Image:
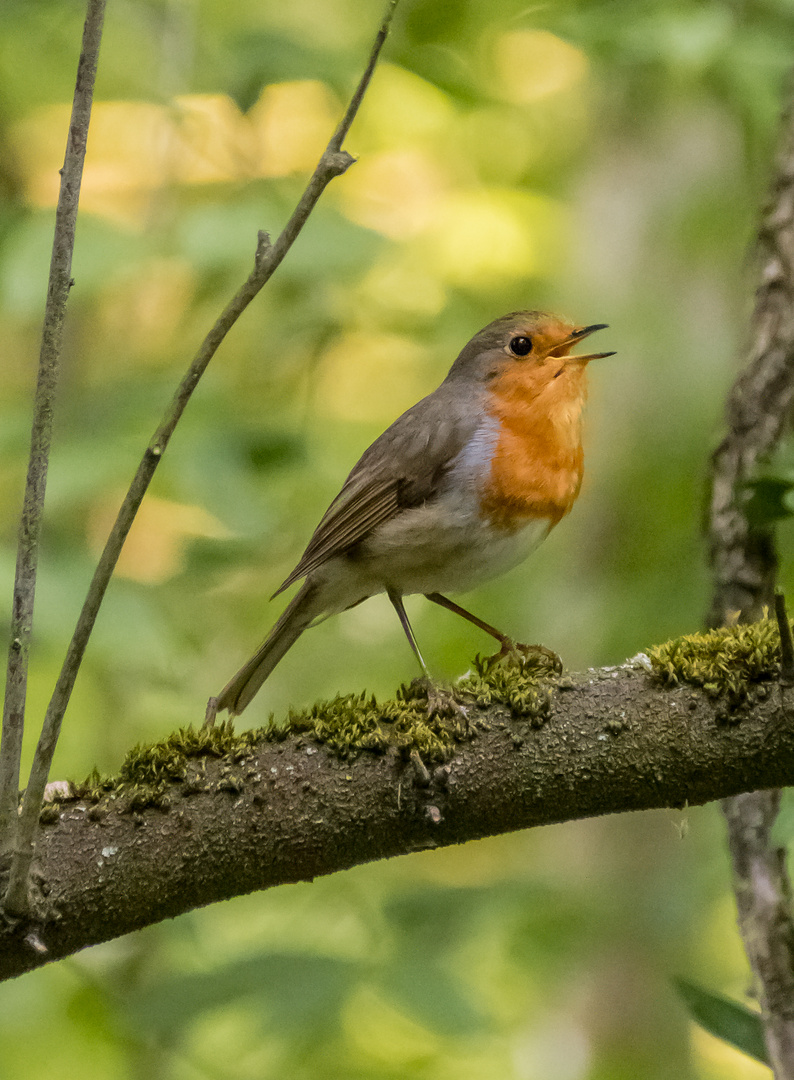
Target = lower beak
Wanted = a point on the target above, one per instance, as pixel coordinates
(580, 335)
(590, 356)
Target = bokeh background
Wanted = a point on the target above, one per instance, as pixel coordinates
(601, 159)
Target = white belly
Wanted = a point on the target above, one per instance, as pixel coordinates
(442, 546)
(435, 549)
(428, 550)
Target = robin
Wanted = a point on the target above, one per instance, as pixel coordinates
(458, 490)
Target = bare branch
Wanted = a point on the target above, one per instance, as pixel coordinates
(340, 134)
(744, 564)
(763, 899)
(333, 162)
(742, 555)
(267, 813)
(41, 436)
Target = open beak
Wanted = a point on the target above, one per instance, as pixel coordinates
(580, 335)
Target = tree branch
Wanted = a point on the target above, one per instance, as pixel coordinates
(283, 811)
(333, 162)
(743, 556)
(59, 284)
(744, 564)
(763, 900)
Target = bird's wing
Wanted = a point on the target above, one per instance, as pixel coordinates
(401, 469)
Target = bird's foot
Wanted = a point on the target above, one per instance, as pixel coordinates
(442, 703)
(536, 655)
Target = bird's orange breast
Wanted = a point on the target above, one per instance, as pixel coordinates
(537, 463)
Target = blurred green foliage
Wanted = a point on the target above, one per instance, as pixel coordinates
(602, 159)
(738, 1025)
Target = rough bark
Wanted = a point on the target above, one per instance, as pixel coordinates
(744, 565)
(743, 557)
(763, 900)
(614, 740)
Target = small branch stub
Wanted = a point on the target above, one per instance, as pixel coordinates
(338, 161)
(34, 942)
(263, 248)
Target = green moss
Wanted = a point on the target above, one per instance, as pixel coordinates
(49, 813)
(166, 761)
(724, 662)
(94, 787)
(147, 772)
(352, 723)
(519, 680)
(349, 724)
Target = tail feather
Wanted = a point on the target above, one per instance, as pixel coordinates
(243, 686)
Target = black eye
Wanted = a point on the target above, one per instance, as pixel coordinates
(520, 346)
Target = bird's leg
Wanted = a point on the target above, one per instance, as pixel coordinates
(402, 615)
(439, 700)
(507, 644)
(211, 712)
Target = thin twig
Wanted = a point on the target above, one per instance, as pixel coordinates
(41, 435)
(333, 162)
(786, 640)
(744, 564)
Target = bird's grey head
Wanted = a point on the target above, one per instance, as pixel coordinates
(534, 338)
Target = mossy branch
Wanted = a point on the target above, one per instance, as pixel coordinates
(209, 813)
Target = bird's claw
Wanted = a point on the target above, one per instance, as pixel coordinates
(441, 702)
(537, 654)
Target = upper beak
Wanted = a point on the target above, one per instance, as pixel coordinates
(580, 335)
